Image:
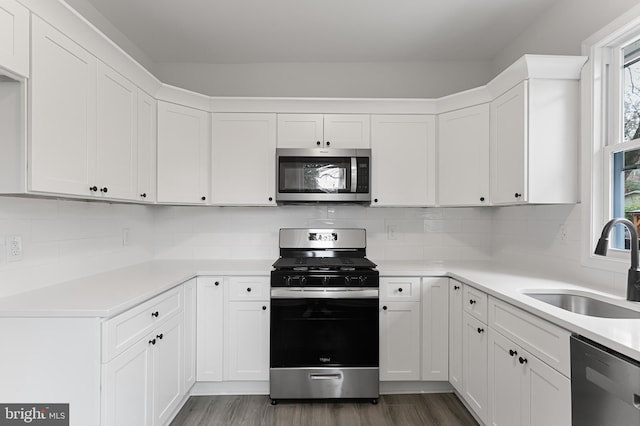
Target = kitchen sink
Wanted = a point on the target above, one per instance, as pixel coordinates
(585, 305)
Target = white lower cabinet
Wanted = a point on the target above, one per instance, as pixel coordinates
(209, 329)
(524, 390)
(435, 328)
(246, 328)
(474, 365)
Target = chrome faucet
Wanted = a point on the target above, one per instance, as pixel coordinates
(633, 277)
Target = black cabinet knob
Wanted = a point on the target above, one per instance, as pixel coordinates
(522, 360)
(143, 195)
(400, 290)
(248, 289)
(472, 302)
(318, 143)
(375, 200)
(270, 198)
(328, 143)
(384, 308)
(456, 287)
(481, 198)
(480, 330)
(512, 352)
(155, 314)
(105, 189)
(93, 188)
(160, 336)
(264, 308)
(152, 341)
(518, 195)
(216, 283)
(203, 198)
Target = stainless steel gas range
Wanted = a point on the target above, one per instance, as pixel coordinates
(324, 316)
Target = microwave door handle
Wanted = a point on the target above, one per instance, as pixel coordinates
(354, 174)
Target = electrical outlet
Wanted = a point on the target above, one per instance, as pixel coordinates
(13, 244)
(392, 232)
(125, 236)
(563, 233)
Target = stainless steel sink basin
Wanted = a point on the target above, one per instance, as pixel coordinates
(585, 305)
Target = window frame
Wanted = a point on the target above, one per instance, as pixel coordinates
(601, 93)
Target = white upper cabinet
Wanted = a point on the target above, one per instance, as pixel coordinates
(463, 157)
(14, 37)
(534, 143)
(147, 139)
(344, 131)
(403, 156)
(243, 159)
(183, 154)
(62, 150)
(117, 135)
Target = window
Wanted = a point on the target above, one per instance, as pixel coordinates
(611, 128)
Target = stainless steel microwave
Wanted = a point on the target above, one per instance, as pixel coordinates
(323, 175)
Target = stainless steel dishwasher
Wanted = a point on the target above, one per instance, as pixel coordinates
(605, 386)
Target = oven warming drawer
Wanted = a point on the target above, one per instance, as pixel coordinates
(324, 382)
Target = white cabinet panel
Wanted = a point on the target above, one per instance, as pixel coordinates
(463, 157)
(167, 369)
(505, 375)
(147, 144)
(243, 163)
(210, 330)
(474, 365)
(300, 130)
(62, 150)
(399, 340)
(189, 347)
(14, 37)
(246, 341)
(116, 172)
(435, 328)
(183, 154)
(347, 131)
(403, 156)
(455, 334)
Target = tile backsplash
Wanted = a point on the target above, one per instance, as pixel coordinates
(65, 239)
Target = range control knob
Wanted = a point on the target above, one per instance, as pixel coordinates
(347, 280)
(362, 279)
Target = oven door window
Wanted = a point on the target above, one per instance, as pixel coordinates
(314, 175)
(324, 333)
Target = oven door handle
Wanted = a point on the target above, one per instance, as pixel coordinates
(324, 293)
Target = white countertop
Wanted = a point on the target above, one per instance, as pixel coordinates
(108, 294)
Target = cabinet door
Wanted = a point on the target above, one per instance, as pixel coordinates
(147, 142)
(455, 334)
(14, 37)
(546, 394)
(167, 369)
(347, 131)
(509, 146)
(505, 378)
(463, 157)
(243, 164)
(403, 160)
(399, 340)
(116, 172)
(474, 365)
(63, 113)
(126, 387)
(435, 328)
(183, 154)
(300, 130)
(209, 330)
(246, 341)
(189, 347)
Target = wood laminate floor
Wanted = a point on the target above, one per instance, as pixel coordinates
(405, 410)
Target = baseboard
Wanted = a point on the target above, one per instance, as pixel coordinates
(389, 388)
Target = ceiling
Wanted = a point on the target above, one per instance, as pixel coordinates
(255, 31)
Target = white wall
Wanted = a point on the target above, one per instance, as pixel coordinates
(63, 240)
(344, 80)
(238, 233)
(562, 29)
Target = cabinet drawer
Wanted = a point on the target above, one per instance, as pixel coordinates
(124, 330)
(400, 288)
(247, 288)
(544, 340)
(475, 303)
